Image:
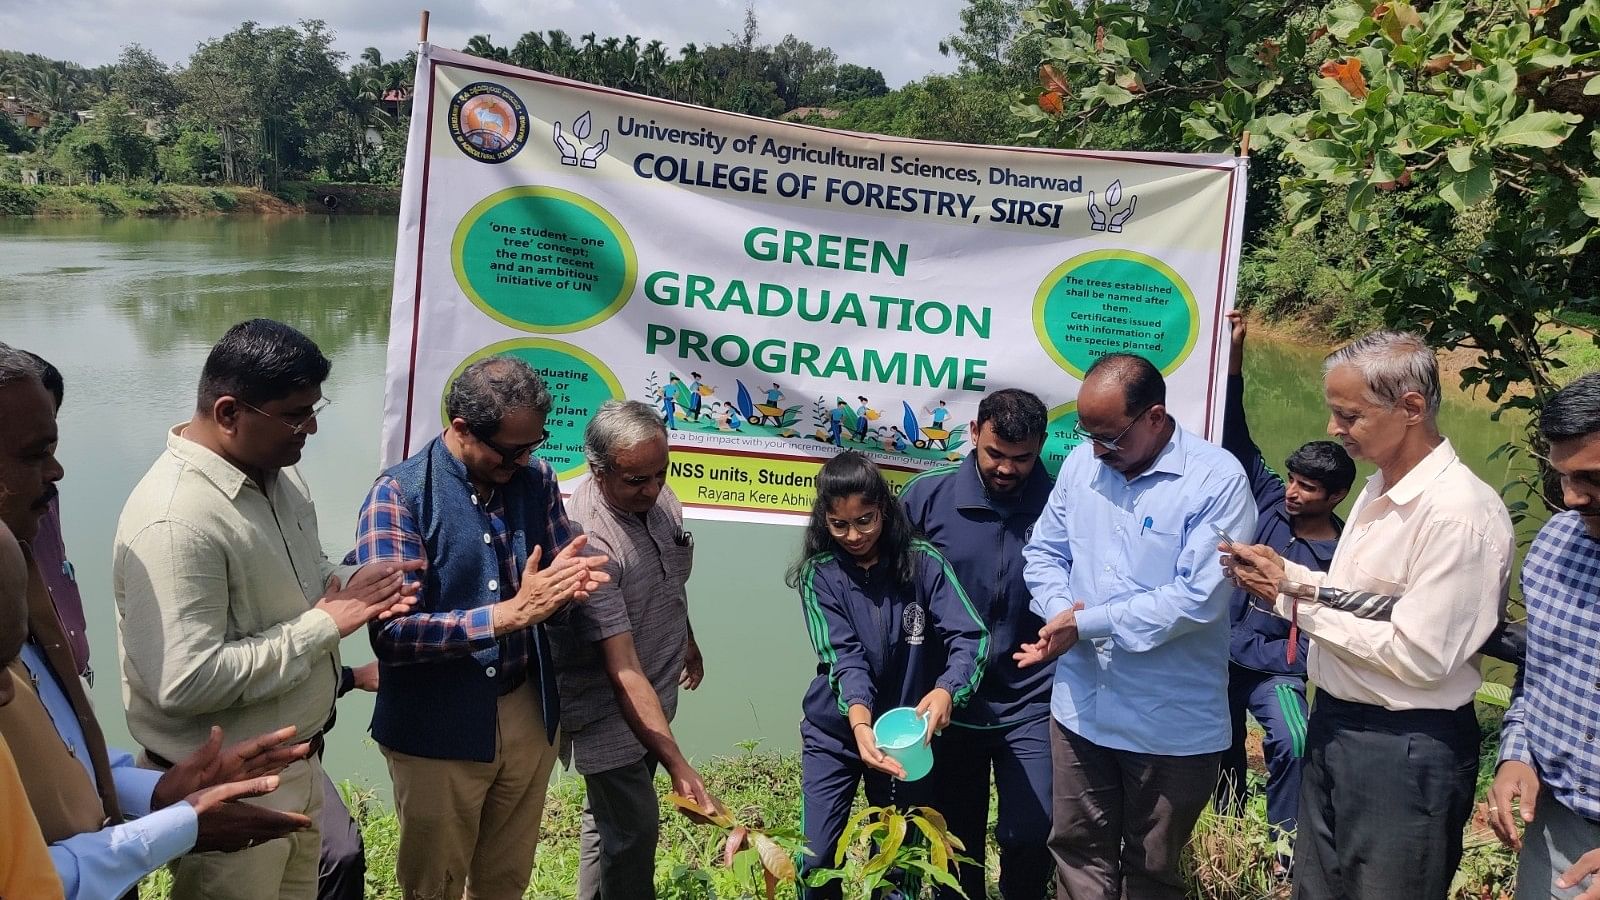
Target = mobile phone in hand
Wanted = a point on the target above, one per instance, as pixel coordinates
(1224, 536)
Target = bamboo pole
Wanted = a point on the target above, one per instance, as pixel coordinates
(1244, 144)
(422, 32)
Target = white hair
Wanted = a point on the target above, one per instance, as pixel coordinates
(1393, 364)
(617, 426)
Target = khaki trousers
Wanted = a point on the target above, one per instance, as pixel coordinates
(470, 829)
(285, 868)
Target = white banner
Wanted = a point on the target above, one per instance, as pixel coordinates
(781, 291)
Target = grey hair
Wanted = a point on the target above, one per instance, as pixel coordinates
(1393, 363)
(489, 388)
(617, 426)
(18, 365)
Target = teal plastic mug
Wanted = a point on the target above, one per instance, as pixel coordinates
(902, 736)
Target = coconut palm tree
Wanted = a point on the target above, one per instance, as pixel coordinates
(480, 45)
(49, 89)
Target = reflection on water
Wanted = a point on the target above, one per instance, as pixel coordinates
(128, 308)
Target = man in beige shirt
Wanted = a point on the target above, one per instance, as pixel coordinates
(1396, 625)
(229, 613)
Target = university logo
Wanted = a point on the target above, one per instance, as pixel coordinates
(913, 622)
(488, 122)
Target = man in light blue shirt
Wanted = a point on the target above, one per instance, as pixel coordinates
(1123, 568)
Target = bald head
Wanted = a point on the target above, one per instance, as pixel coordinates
(1122, 410)
(1135, 378)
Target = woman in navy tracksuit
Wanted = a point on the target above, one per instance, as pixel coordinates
(891, 627)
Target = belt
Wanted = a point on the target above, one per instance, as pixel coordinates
(316, 743)
(1408, 719)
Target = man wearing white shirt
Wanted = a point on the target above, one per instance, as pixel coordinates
(1396, 625)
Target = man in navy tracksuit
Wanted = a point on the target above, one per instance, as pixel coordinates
(1295, 519)
(980, 514)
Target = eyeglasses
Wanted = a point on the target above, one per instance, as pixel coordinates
(864, 525)
(1111, 444)
(297, 427)
(512, 454)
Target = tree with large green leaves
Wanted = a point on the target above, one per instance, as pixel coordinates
(1456, 138)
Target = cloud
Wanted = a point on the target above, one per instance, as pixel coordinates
(898, 37)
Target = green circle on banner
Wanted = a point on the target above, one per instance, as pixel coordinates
(1060, 437)
(544, 259)
(578, 384)
(1115, 301)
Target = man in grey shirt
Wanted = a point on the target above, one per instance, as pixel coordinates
(621, 656)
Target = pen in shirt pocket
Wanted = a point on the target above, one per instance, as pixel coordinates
(1148, 524)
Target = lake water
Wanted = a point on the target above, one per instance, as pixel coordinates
(128, 309)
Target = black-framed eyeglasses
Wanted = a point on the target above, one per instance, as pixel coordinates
(297, 426)
(512, 454)
(1112, 444)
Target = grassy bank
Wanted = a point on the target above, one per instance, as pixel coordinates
(1229, 858)
(118, 200)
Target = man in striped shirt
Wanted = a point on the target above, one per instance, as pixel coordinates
(1549, 760)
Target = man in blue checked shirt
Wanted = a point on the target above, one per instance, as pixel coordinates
(467, 707)
(1549, 758)
(1123, 568)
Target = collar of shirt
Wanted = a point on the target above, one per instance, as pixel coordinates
(1030, 499)
(864, 576)
(1321, 550)
(1170, 461)
(225, 475)
(1413, 483)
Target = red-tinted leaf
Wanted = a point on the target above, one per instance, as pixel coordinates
(1099, 38)
(1317, 35)
(1050, 102)
(1053, 80)
(1438, 64)
(1348, 73)
(1269, 51)
(736, 841)
(1380, 10)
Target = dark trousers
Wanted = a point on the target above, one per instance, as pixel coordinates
(621, 827)
(1123, 818)
(1020, 757)
(830, 770)
(342, 866)
(1384, 797)
(1278, 702)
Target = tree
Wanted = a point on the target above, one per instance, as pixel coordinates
(81, 153)
(146, 82)
(127, 151)
(856, 82)
(51, 90)
(803, 75)
(1457, 139)
(989, 31)
(267, 92)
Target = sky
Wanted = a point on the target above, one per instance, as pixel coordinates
(898, 37)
